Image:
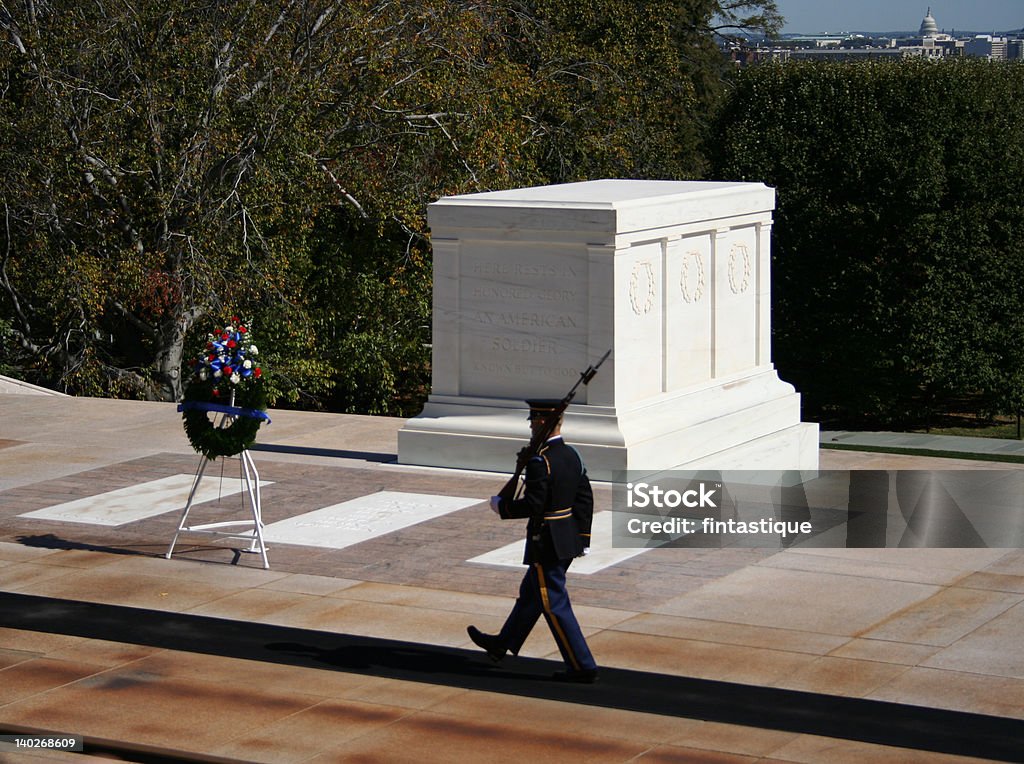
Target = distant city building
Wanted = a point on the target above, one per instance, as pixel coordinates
(928, 26)
(986, 46)
(930, 43)
(855, 54)
(949, 46)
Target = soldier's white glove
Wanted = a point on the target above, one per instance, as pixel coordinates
(496, 505)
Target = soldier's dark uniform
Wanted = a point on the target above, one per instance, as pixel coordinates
(559, 504)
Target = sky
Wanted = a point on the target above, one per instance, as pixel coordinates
(818, 16)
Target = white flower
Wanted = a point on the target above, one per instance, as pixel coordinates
(247, 364)
(218, 374)
(253, 350)
(229, 328)
(202, 374)
(235, 379)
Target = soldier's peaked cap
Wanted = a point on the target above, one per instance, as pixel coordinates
(544, 405)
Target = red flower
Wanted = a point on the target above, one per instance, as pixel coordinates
(227, 371)
(211, 357)
(242, 330)
(224, 335)
(216, 392)
(257, 372)
(231, 343)
(234, 319)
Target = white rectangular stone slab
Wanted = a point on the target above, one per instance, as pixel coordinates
(602, 555)
(138, 502)
(357, 520)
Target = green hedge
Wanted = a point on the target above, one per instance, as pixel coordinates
(898, 245)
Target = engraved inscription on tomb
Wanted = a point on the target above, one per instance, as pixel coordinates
(484, 269)
(524, 319)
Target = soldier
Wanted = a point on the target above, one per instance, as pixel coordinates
(559, 504)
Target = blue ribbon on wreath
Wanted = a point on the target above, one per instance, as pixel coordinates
(221, 408)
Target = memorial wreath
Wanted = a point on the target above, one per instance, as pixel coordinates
(226, 379)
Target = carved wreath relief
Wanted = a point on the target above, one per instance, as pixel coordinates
(691, 277)
(739, 268)
(642, 291)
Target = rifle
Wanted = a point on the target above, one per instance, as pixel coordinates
(511, 488)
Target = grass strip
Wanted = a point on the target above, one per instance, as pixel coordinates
(1008, 458)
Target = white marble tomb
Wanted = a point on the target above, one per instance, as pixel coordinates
(533, 285)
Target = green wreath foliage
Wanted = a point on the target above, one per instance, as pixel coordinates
(212, 441)
(225, 373)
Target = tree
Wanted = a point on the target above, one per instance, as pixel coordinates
(169, 164)
(743, 17)
(897, 255)
(158, 168)
(629, 85)
(165, 163)
(5, 338)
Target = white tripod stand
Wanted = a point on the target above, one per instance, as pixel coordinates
(250, 530)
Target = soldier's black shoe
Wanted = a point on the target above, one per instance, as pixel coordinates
(582, 676)
(488, 642)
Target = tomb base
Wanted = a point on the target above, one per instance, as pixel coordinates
(750, 422)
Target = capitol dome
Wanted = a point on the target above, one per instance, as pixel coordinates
(928, 26)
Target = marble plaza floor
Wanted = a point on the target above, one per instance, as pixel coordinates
(352, 646)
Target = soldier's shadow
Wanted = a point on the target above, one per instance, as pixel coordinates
(406, 661)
